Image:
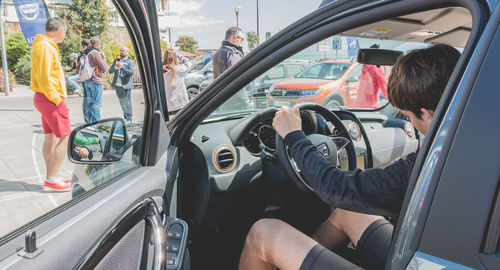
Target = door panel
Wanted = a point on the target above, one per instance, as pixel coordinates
(121, 221)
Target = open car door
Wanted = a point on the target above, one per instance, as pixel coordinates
(118, 214)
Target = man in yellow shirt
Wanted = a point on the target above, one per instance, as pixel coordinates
(47, 80)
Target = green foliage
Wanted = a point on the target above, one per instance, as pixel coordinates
(112, 51)
(187, 44)
(252, 40)
(16, 47)
(89, 16)
(85, 19)
(164, 46)
(22, 70)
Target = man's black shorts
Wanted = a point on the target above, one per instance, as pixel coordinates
(373, 246)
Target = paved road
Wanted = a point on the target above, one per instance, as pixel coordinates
(22, 169)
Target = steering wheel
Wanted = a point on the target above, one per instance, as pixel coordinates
(328, 145)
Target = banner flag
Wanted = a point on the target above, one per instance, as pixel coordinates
(32, 15)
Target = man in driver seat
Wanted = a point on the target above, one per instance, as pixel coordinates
(361, 198)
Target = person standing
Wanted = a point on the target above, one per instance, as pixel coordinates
(230, 52)
(49, 85)
(174, 68)
(85, 45)
(95, 85)
(72, 76)
(123, 69)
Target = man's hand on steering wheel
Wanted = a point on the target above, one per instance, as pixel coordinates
(287, 120)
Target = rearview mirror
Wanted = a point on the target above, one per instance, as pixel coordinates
(101, 142)
(378, 57)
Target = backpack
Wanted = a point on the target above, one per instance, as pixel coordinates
(85, 71)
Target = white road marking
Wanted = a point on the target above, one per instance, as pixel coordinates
(42, 181)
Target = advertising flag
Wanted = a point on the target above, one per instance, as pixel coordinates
(32, 15)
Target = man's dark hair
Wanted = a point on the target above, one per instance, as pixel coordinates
(85, 42)
(55, 24)
(419, 78)
(233, 31)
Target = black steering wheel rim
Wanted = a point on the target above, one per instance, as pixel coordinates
(286, 161)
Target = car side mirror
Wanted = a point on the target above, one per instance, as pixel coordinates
(266, 78)
(100, 142)
(208, 71)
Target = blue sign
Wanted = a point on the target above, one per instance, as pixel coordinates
(32, 15)
(337, 43)
(352, 47)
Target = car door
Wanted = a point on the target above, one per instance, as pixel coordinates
(122, 222)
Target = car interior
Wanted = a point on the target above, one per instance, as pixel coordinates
(234, 169)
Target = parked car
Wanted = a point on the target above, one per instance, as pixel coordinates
(198, 73)
(329, 83)
(260, 86)
(206, 175)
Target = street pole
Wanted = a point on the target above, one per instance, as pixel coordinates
(237, 12)
(4, 54)
(258, 36)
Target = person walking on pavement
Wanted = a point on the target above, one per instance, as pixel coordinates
(174, 68)
(123, 69)
(49, 85)
(230, 52)
(95, 85)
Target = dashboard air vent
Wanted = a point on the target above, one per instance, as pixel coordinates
(225, 158)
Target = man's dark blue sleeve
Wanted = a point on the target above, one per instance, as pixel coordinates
(373, 191)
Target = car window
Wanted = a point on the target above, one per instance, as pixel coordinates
(277, 72)
(294, 69)
(334, 78)
(115, 92)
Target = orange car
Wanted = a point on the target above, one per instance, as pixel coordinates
(330, 83)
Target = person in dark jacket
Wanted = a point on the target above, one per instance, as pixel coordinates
(415, 86)
(123, 69)
(230, 52)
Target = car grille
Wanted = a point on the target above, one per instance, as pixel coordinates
(286, 92)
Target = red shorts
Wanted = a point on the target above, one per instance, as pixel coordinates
(55, 119)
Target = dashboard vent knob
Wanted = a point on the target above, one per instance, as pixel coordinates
(225, 158)
(204, 138)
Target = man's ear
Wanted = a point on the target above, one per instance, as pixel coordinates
(426, 113)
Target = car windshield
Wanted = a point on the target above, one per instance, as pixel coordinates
(330, 76)
(199, 65)
(328, 71)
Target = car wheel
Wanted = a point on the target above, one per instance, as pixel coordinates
(332, 104)
(192, 92)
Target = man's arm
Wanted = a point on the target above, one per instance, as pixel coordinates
(99, 61)
(128, 69)
(112, 69)
(373, 191)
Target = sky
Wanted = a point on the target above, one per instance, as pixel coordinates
(207, 20)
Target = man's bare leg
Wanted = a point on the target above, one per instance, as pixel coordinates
(343, 224)
(54, 153)
(273, 243)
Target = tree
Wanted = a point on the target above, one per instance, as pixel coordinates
(187, 44)
(84, 19)
(252, 40)
(15, 47)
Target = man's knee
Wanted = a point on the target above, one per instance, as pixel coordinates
(260, 230)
